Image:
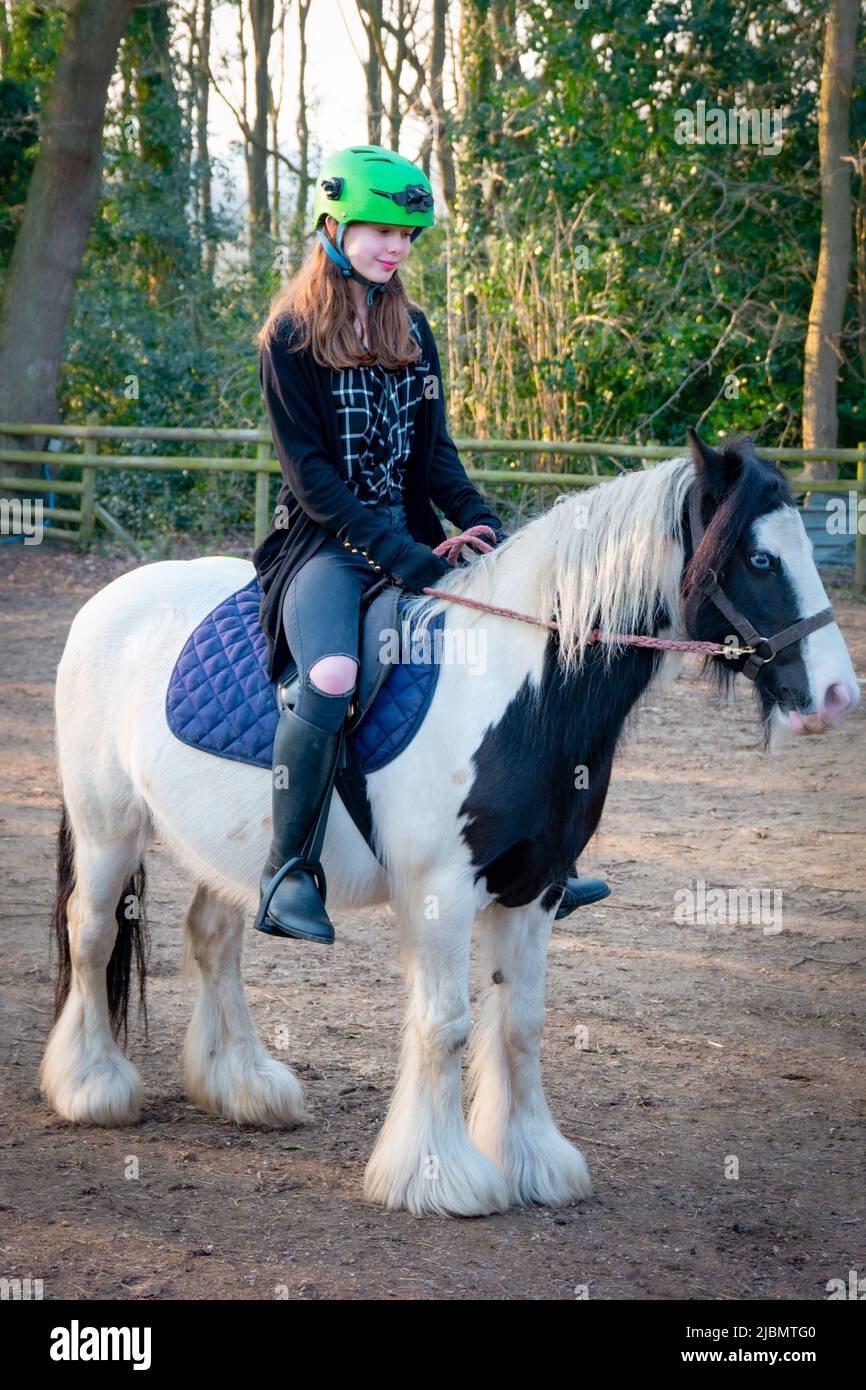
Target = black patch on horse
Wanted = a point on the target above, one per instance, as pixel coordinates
(527, 822)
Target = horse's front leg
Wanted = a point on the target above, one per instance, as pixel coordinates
(509, 1118)
(423, 1159)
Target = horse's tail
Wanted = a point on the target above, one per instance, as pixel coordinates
(131, 944)
(65, 882)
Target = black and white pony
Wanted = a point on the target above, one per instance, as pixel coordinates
(479, 819)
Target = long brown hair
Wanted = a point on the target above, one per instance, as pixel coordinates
(321, 306)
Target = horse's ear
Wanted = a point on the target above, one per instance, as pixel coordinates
(717, 471)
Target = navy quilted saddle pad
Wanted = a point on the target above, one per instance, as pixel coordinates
(219, 698)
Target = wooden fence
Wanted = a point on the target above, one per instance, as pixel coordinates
(263, 465)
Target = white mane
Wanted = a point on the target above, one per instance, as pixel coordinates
(607, 555)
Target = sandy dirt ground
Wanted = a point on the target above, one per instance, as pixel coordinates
(669, 1048)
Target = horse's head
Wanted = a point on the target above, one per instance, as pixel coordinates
(755, 548)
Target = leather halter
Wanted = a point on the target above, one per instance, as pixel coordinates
(763, 649)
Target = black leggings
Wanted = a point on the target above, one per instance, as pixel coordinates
(321, 617)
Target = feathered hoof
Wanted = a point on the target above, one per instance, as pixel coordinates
(86, 1086)
(541, 1166)
(244, 1084)
(455, 1180)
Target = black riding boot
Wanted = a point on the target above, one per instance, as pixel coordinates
(579, 892)
(293, 886)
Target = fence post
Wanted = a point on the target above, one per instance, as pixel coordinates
(860, 533)
(88, 496)
(263, 454)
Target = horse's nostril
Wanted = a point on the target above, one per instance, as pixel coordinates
(834, 704)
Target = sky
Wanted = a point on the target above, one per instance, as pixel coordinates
(334, 82)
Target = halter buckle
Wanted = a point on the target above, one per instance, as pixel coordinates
(764, 660)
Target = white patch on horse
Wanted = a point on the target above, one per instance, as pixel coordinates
(612, 556)
(825, 656)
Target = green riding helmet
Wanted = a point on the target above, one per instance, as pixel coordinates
(366, 183)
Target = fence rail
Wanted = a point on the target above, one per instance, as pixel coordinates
(264, 465)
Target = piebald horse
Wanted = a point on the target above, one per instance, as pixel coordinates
(479, 820)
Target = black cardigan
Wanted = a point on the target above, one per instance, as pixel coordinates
(314, 492)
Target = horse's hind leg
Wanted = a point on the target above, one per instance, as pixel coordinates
(509, 1118)
(84, 1075)
(226, 1068)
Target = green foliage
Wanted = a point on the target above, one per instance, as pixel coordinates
(153, 340)
(32, 42)
(694, 296)
(34, 39)
(605, 281)
(17, 142)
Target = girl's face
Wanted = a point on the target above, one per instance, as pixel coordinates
(376, 249)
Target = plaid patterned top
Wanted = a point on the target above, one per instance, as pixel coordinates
(376, 415)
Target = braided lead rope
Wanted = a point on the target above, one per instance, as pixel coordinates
(453, 546)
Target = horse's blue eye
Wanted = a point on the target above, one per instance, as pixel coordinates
(759, 560)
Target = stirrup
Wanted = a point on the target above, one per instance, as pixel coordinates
(317, 873)
(313, 923)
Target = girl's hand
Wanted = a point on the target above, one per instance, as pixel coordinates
(416, 567)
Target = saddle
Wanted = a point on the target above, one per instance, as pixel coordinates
(221, 701)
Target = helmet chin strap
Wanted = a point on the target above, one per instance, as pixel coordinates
(339, 257)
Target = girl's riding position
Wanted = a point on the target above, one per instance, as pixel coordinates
(353, 389)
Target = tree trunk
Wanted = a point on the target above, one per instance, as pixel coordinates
(442, 143)
(57, 215)
(201, 143)
(303, 129)
(163, 148)
(262, 19)
(395, 113)
(370, 12)
(860, 252)
(823, 353)
(476, 101)
(4, 33)
(243, 115)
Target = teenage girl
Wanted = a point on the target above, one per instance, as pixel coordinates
(353, 388)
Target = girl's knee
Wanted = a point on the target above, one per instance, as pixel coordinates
(334, 675)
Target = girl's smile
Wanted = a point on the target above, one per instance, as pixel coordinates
(375, 249)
